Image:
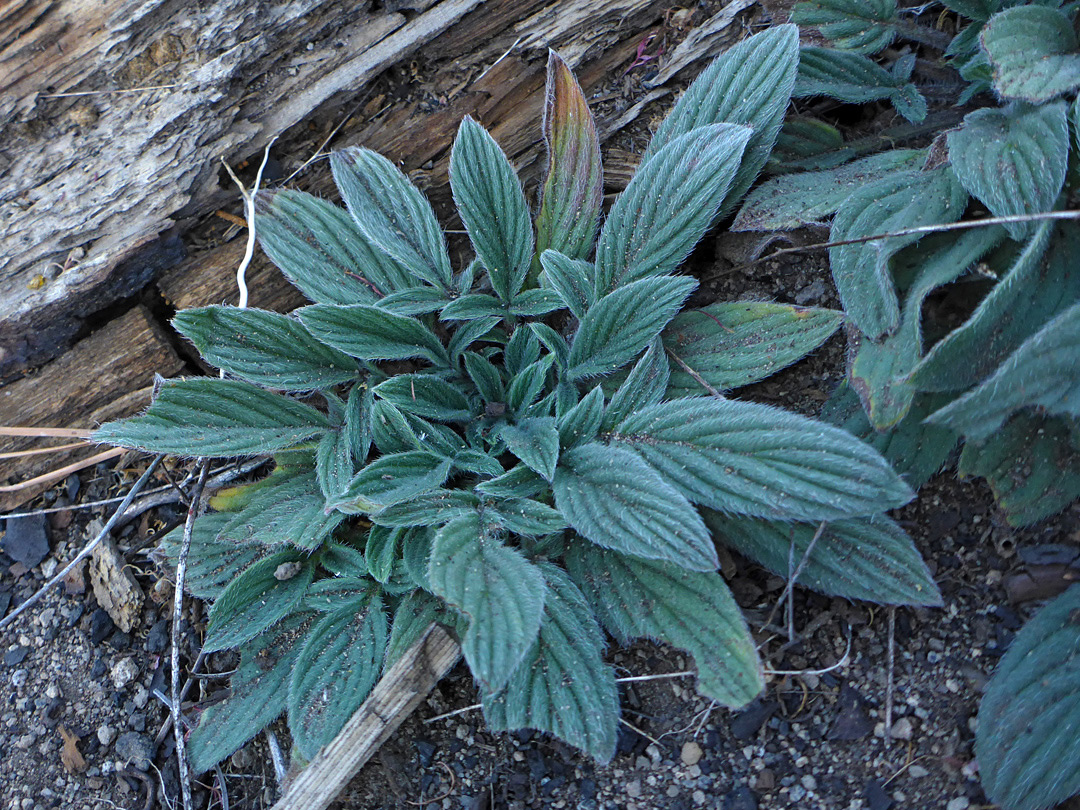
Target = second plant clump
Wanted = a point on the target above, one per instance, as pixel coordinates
(531, 450)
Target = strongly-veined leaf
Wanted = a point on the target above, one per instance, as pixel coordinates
(855, 79)
(734, 344)
(492, 206)
(878, 371)
(563, 685)
(344, 560)
(477, 462)
(468, 333)
(521, 351)
(753, 459)
(371, 333)
(528, 385)
(582, 422)
(211, 417)
(574, 187)
(319, 249)
(624, 322)
(485, 376)
(553, 342)
(978, 10)
(333, 463)
(212, 565)
(808, 144)
(517, 482)
(645, 385)
(1032, 465)
(334, 671)
(414, 614)
(526, 517)
(1026, 738)
(794, 200)
(391, 432)
(863, 26)
(668, 206)
(915, 448)
(691, 610)
(535, 302)
(425, 395)
(1013, 159)
(869, 558)
(381, 551)
(257, 599)
(1033, 52)
(535, 441)
(392, 213)
(1043, 373)
(414, 301)
(357, 427)
(900, 200)
(749, 84)
(1041, 283)
(392, 479)
(336, 593)
(500, 592)
(259, 694)
(264, 348)
(613, 498)
(290, 510)
(571, 279)
(472, 306)
(434, 508)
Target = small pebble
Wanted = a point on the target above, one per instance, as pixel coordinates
(15, 656)
(123, 672)
(633, 789)
(959, 803)
(918, 772)
(902, 729)
(135, 748)
(691, 753)
(809, 782)
(19, 678)
(106, 734)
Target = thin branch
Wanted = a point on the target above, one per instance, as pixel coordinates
(802, 564)
(39, 451)
(64, 472)
(837, 665)
(249, 208)
(178, 604)
(697, 377)
(889, 676)
(87, 549)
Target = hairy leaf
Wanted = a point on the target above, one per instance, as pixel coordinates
(485, 376)
(863, 26)
(425, 395)
(749, 84)
(794, 200)
(571, 279)
(624, 322)
(535, 302)
(1013, 159)
(212, 565)
(869, 558)
(1033, 53)
(692, 610)
(611, 497)
(492, 206)
(371, 333)
(1043, 373)
(434, 508)
(333, 463)
(534, 441)
(582, 422)
(259, 694)
(500, 592)
(573, 189)
(209, 417)
(288, 510)
(645, 385)
(808, 144)
(1040, 284)
(752, 459)
(563, 685)
(472, 307)
(1032, 465)
(334, 671)
(526, 517)
(414, 614)
(733, 344)
(393, 479)
(668, 205)
(392, 213)
(265, 592)
(855, 79)
(319, 249)
(899, 200)
(1026, 737)
(517, 482)
(414, 301)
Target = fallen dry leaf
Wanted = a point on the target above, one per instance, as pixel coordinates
(70, 757)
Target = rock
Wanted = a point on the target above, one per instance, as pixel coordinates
(136, 749)
(114, 585)
(106, 734)
(808, 782)
(740, 799)
(123, 672)
(426, 752)
(746, 724)
(19, 678)
(691, 753)
(15, 656)
(959, 803)
(852, 721)
(876, 797)
(902, 729)
(142, 697)
(25, 540)
(917, 772)
(157, 640)
(101, 626)
(633, 788)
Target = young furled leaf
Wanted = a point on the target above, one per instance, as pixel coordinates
(855, 79)
(1026, 737)
(562, 686)
(209, 417)
(1013, 160)
(1033, 52)
(574, 187)
(500, 592)
(371, 333)
(492, 206)
(392, 213)
(668, 205)
(535, 441)
(571, 279)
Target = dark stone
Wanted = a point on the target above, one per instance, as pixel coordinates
(537, 767)
(470, 762)
(425, 750)
(553, 784)
(53, 711)
(76, 613)
(16, 656)
(5, 601)
(157, 640)
(101, 626)
(852, 722)
(119, 640)
(72, 486)
(99, 668)
(746, 724)
(629, 741)
(135, 748)
(742, 798)
(52, 632)
(876, 797)
(137, 722)
(587, 788)
(25, 540)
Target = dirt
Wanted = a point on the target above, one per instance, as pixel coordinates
(78, 711)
